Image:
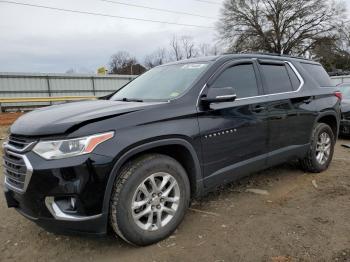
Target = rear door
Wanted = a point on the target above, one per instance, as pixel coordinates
(288, 128)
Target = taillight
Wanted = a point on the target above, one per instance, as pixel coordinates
(339, 95)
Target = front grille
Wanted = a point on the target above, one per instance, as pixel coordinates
(17, 169)
(20, 143)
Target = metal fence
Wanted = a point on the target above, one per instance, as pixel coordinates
(52, 85)
(14, 85)
(336, 80)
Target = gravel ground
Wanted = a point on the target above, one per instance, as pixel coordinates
(8, 118)
(294, 217)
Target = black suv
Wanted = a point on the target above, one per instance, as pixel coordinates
(134, 159)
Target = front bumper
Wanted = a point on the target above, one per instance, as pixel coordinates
(46, 198)
(95, 226)
(345, 127)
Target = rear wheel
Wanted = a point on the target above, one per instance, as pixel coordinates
(321, 149)
(149, 199)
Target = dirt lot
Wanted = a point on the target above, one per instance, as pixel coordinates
(8, 118)
(305, 217)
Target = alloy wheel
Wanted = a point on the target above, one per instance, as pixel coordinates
(155, 201)
(323, 148)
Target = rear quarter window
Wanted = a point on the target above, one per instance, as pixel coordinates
(293, 78)
(318, 73)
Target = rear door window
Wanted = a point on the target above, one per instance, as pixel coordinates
(276, 78)
(318, 73)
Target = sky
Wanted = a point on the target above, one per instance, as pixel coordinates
(48, 41)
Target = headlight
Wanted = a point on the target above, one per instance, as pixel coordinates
(70, 147)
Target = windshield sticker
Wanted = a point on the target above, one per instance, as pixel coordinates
(174, 94)
(193, 66)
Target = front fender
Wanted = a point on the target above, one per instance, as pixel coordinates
(147, 146)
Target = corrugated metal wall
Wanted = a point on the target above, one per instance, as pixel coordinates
(45, 85)
(336, 80)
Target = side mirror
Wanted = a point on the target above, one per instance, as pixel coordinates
(219, 95)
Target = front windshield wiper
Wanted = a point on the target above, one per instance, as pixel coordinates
(130, 100)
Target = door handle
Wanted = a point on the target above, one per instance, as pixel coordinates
(303, 99)
(258, 109)
(307, 100)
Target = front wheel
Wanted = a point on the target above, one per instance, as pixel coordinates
(321, 149)
(149, 199)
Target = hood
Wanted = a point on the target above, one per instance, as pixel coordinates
(58, 119)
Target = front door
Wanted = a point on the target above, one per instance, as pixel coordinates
(234, 134)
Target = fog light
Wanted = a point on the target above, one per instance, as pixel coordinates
(57, 210)
(67, 204)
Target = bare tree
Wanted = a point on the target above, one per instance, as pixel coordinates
(206, 49)
(176, 48)
(183, 47)
(344, 37)
(188, 47)
(121, 60)
(277, 26)
(79, 70)
(334, 52)
(158, 57)
(71, 71)
(216, 50)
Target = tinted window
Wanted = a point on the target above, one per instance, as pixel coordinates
(241, 78)
(318, 73)
(276, 78)
(293, 78)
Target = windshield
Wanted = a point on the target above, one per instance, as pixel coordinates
(345, 90)
(161, 83)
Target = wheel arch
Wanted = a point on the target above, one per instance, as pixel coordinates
(172, 147)
(330, 118)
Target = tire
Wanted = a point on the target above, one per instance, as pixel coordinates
(311, 163)
(129, 190)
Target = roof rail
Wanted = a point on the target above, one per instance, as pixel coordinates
(266, 53)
